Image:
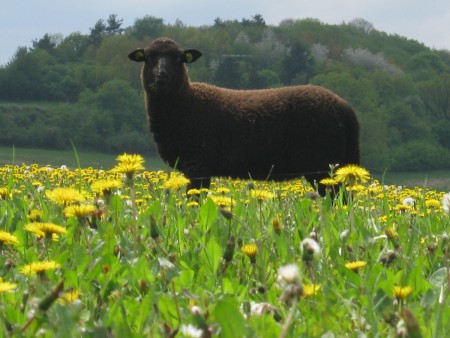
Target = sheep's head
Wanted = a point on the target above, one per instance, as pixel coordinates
(164, 69)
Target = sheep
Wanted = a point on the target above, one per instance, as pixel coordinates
(205, 131)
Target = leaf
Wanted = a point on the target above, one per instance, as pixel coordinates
(212, 255)
(439, 277)
(208, 214)
(230, 319)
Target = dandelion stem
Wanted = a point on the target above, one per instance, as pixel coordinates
(287, 324)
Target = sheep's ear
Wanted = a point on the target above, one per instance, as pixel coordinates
(191, 55)
(137, 55)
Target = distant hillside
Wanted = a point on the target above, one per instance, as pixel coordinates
(399, 87)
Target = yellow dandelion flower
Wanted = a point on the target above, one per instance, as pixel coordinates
(328, 181)
(176, 181)
(82, 210)
(350, 174)
(7, 238)
(222, 190)
(310, 290)
(39, 267)
(4, 193)
(403, 207)
(69, 297)
(64, 196)
(390, 233)
(250, 250)
(261, 195)
(105, 187)
(7, 286)
(193, 192)
(45, 229)
(433, 204)
(222, 201)
(192, 204)
(355, 265)
(129, 164)
(35, 215)
(401, 292)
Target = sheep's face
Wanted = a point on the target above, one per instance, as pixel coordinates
(164, 69)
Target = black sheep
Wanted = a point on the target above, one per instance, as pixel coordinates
(206, 131)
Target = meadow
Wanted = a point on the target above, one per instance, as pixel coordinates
(127, 252)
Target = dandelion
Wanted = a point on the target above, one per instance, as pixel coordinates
(401, 292)
(409, 201)
(310, 290)
(4, 193)
(250, 250)
(129, 165)
(175, 182)
(39, 267)
(35, 215)
(288, 274)
(45, 230)
(64, 196)
(276, 225)
(7, 239)
(222, 201)
(403, 207)
(105, 187)
(355, 266)
(310, 248)
(350, 174)
(69, 297)
(80, 211)
(433, 204)
(261, 195)
(191, 331)
(7, 286)
(329, 182)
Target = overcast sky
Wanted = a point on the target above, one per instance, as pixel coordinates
(22, 21)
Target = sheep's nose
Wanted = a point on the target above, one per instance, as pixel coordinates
(162, 74)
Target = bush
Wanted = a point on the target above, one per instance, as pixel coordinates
(417, 155)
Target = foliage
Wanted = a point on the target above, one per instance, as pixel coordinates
(399, 87)
(154, 261)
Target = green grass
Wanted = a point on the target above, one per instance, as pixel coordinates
(56, 158)
(152, 260)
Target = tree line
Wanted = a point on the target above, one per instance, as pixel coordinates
(82, 88)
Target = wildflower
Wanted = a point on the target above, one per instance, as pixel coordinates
(64, 196)
(175, 182)
(258, 309)
(222, 190)
(45, 230)
(409, 201)
(35, 215)
(276, 225)
(192, 192)
(401, 292)
(329, 182)
(222, 201)
(403, 207)
(261, 195)
(310, 290)
(82, 210)
(4, 193)
(7, 286)
(350, 174)
(69, 297)
(433, 204)
(190, 330)
(105, 187)
(310, 248)
(288, 274)
(7, 238)
(355, 265)
(129, 164)
(39, 267)
(250, 250)
(446, 203)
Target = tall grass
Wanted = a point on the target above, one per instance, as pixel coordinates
(187, 263)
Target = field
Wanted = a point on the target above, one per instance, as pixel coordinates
(128, 253)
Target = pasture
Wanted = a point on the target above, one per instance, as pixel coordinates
(126, 252)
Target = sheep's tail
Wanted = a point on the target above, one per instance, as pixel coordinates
(352, 146)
